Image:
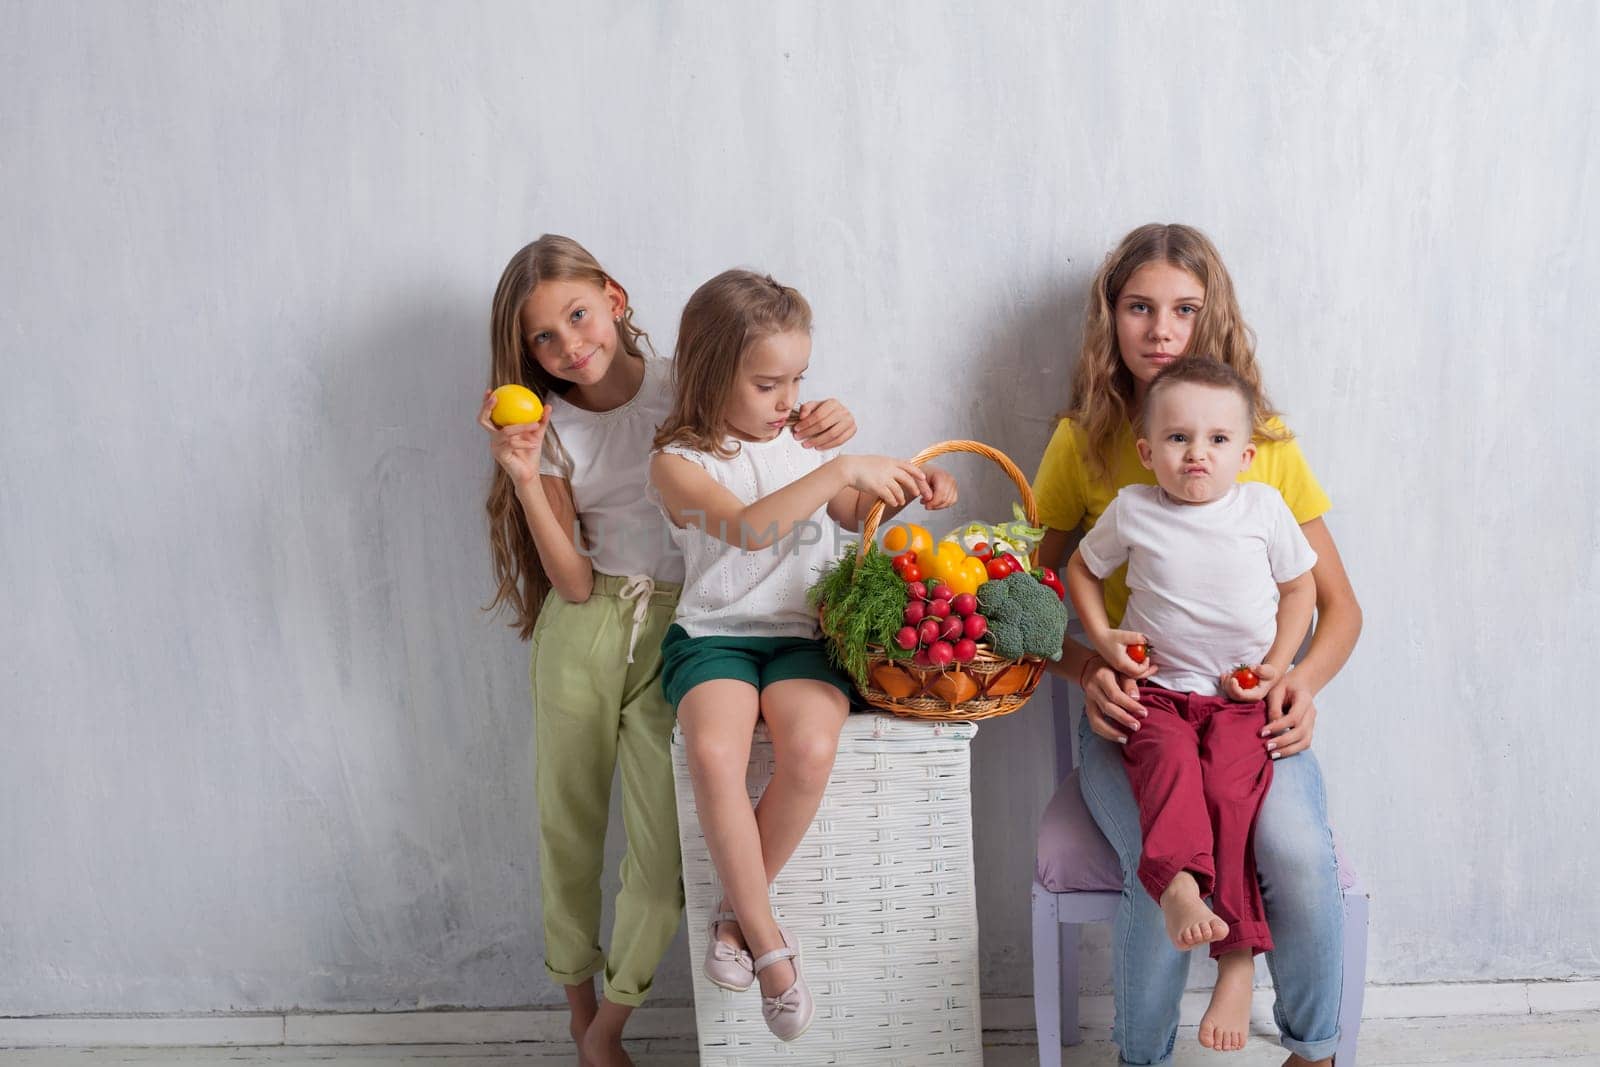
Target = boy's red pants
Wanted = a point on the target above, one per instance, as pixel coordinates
(1200, 770)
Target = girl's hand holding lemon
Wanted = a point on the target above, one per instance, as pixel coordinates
(515, 421)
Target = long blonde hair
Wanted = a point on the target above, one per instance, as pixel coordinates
(1102, 403)
(521, 583)
(723, 318)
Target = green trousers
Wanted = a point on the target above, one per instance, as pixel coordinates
(594, 711)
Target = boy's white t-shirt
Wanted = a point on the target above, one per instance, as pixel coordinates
(730, 592)
(1202, 578)
(605, 456)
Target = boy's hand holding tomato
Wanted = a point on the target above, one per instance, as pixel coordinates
(1114, 646)
(1247, 684)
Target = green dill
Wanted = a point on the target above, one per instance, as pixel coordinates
(862, 608)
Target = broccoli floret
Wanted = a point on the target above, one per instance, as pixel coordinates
(1025, 617)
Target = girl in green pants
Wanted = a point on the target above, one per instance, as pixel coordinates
(596, 607)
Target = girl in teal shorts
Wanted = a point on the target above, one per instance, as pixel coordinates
(755, 516)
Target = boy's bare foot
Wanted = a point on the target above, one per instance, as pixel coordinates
(1226, 1023)
(1189, 921)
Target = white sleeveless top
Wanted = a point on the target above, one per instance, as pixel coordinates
(605, 456)
(729, 592)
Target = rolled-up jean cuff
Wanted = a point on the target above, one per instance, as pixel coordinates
(574, 977)
(627, 1000)
(1311, 1050)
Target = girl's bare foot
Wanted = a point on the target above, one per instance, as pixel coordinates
(599, 1050)
(1226, 1023)
(602, 1044)
(1189, 921)
(581, 1003)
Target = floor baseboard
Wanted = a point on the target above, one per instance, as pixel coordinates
(1001, 1015)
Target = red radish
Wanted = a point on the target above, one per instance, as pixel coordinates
(939, 591)
(953, 629)
(940, 653)
(964, 604)
(975, 626)
(929, 632)
(921, 658)
(966, 649)
(939, 608)
(906, 638)
(916, 590)
(915, 611)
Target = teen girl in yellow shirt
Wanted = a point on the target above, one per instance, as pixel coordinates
(1161, 294)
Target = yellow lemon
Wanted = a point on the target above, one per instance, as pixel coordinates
(514, 405)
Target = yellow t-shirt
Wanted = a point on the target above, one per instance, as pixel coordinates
(1068, 498)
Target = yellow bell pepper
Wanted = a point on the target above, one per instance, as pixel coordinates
(971, 575)
(961, 572)
(946, 565)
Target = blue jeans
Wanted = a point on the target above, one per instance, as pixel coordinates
(1299, 885)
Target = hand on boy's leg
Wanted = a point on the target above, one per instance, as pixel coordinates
(1291, 718)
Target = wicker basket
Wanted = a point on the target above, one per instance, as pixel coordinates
(982, 688)
(880, 894)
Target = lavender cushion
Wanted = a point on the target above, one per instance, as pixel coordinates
(1075, 857)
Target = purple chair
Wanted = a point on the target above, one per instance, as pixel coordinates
(1078, 880)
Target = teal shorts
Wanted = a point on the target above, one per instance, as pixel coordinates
(687, 661)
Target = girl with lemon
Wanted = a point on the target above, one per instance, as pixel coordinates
(590, 574)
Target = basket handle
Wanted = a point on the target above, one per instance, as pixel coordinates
(869, 531)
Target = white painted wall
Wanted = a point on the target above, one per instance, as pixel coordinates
(260, 748)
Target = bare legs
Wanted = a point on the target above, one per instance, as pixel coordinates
(750, 847)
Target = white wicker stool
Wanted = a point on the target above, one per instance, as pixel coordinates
(880, 895)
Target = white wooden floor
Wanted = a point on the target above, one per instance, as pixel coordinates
(1566, 1039)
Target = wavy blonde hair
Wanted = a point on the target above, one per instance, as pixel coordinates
(723, 318)
(1102, 402)
(521, 584)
